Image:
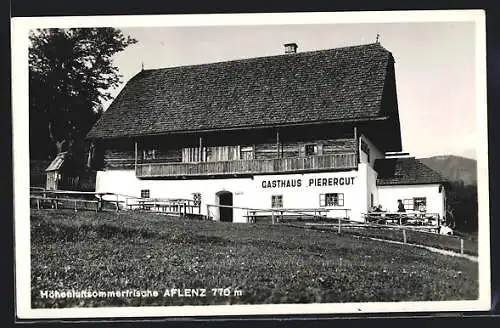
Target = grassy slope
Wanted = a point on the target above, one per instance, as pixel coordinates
(270, 264)
(451, 243)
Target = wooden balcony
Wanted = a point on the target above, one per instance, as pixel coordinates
(247, 167)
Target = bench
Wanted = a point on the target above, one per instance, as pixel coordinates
(402, 218)
(162, 205)
(288, 214)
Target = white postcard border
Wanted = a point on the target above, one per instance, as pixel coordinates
(20, 27)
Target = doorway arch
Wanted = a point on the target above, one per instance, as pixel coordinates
(225, 198)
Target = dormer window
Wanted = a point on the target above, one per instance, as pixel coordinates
(290, 48)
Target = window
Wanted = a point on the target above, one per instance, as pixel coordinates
(247, 153)
(311, 150)
(149, 154)
(193, 154)
(408, 203)
(196, 199)
(332, 199)
(277, 201)
(145, 193)
(415, 204)
(420, 204)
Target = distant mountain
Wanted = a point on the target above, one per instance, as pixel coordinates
(454, 168)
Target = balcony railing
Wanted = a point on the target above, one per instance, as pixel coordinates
(247, 167)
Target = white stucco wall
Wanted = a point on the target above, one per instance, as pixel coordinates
(371, 187)
(389, 195)
(375, 153)
(249, 192)
(308, 194)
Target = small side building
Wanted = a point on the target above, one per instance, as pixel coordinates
(420, 188)
(60, 173)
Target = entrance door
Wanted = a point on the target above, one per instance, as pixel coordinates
(226, 199)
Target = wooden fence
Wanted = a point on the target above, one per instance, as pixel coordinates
(68, 203)
(41, 198)
(400, 233)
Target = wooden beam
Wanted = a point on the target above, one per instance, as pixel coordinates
(135, 159)
(278, 142)
(201, 150)
(356, 142)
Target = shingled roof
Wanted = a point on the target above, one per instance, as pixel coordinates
(335, 85)
(405, 171)
(57, 163)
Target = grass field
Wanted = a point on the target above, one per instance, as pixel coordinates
(451, 243)
(268, 263)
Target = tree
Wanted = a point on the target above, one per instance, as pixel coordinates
(463, 204)
(71, 74)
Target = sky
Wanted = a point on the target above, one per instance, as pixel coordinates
(434, 64)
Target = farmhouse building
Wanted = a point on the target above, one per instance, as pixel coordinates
(306, 130)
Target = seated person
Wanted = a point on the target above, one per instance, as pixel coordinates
(421, 208)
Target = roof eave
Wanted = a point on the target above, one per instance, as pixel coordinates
(380, 118)
(411, 183)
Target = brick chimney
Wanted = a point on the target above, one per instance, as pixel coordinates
(290, 48)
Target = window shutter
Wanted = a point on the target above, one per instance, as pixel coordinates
(302, 150)
(184, 155)
(237, 153)
(322, 200)
(320, 149)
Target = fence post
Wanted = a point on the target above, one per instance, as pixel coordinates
(340, 222)
(117, 203)
(38, 203)
(75, 205)
(404, 236)
(272, 215)
(461, 246)
(208, 212)
(99, 203)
